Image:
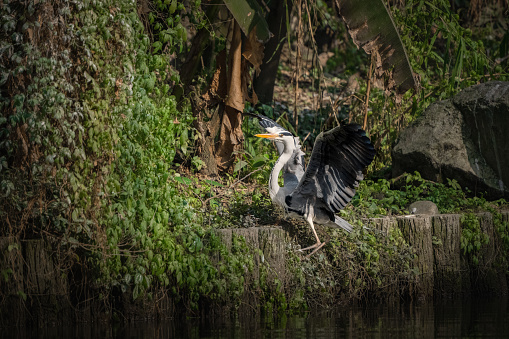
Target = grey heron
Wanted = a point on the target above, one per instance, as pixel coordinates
(321, 190)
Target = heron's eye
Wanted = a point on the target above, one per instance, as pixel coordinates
(281, 135)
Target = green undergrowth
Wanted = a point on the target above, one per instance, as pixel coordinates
(362, 265)
(91, 147)
(472, 237)
(381, 197)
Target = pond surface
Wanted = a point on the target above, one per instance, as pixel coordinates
(468, 318)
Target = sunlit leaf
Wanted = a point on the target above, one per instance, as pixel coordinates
(239, 165)
(214, 183)
(183, 180)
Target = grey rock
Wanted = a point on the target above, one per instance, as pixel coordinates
(423, 207)
(485, 110)
(463, 138)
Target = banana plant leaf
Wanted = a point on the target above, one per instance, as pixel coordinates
(372, 28)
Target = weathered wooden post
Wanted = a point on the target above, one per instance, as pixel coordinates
(417, 230)
(12, 292)
(446, 249)
(251, 297)
(268, 247)
(489, 275)
(46, 287)
(382, 225)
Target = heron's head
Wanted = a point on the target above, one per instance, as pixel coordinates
(284, 137)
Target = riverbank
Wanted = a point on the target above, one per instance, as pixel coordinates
(36, 291)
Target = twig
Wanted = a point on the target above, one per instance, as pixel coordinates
(367, 96)
(315, 57)
(247, 176)
(265, 5)
(303, 141)
(297, 65)
(334, 106)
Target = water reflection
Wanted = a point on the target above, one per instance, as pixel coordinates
(470, 318)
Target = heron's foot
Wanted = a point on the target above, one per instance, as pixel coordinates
(310, 247)
(315, 248)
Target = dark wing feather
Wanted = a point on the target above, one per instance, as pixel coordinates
(335, 167)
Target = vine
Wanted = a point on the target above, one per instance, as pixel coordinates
(472, 237)
(90, 144)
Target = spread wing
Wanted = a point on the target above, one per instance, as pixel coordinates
(294, 168)
(335, 167)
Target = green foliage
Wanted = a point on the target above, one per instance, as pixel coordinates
(166, 23)
(42, 125)
(384, 197)
(154, 233)
(250, 17)
(273, 298)
(445, 54)
(501, 228)
(472, 237)
(90, 140)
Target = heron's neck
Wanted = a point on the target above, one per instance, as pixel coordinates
(273, 182)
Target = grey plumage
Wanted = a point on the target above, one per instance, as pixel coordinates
(328, 183)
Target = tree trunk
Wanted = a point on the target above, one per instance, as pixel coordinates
(198, 45)
(264, 82)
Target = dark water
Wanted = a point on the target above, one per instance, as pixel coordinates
(471, 318)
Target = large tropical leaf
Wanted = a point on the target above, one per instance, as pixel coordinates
(249, 15)
(371, 27)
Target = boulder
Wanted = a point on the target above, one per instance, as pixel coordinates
(463, 138)
(423, 207)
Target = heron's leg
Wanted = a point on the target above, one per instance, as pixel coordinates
(309, 247)
(318, 243)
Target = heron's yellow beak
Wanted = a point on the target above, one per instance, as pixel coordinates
(267, 136)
